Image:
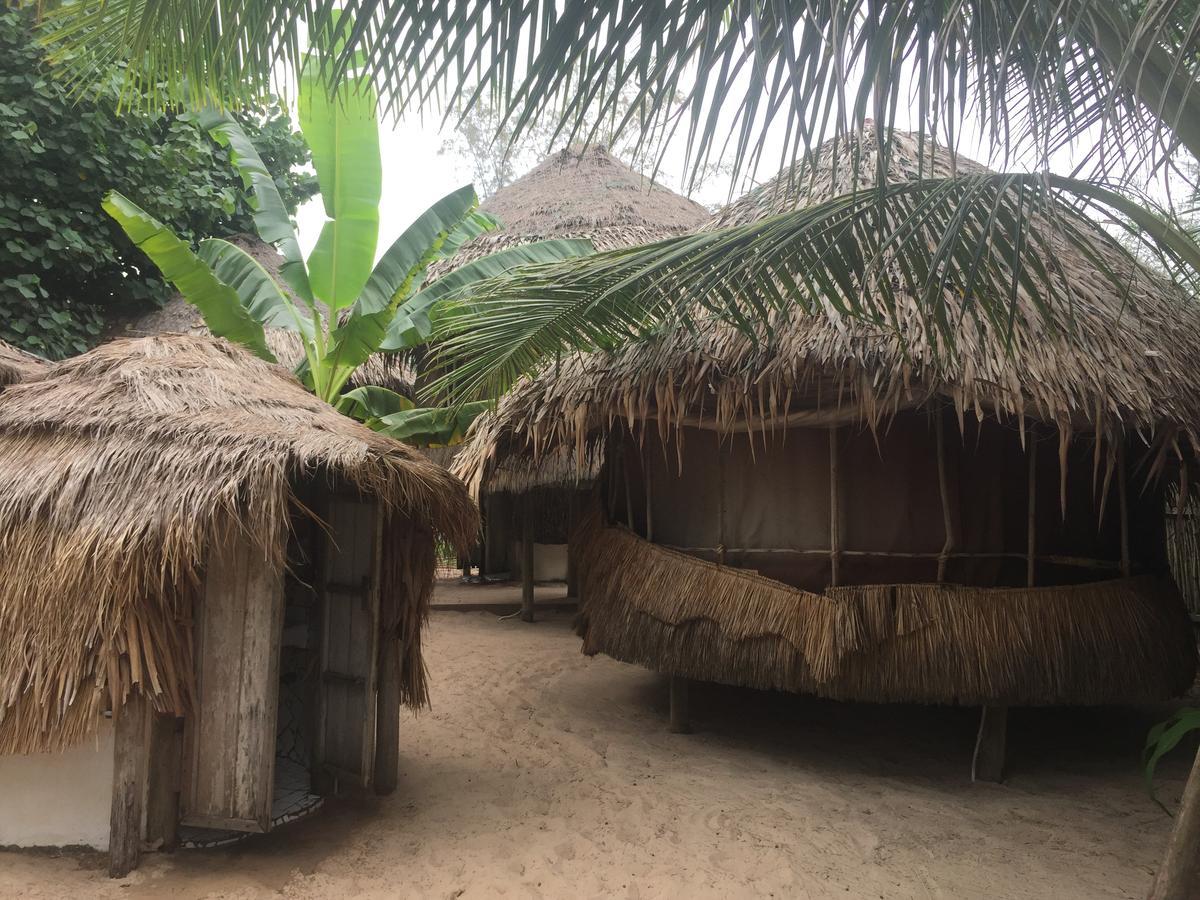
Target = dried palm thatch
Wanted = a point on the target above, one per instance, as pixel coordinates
(1127, 640)
(1126, 361)
(389, 370)
(17, 365)
(575, 193)
(121, 467)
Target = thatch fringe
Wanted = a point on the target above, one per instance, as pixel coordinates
(17, 365)
(1116, 641)
(122, 467)
(407, 573)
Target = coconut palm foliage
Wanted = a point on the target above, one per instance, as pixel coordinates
(343, 305)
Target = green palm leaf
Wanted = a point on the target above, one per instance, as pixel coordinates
(218, 303)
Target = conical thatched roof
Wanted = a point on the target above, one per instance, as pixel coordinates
(120, 468)
(17, 365)
(1129, 360)
(179, 317)
(582, 193)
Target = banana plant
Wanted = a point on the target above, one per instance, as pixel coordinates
(344, 304)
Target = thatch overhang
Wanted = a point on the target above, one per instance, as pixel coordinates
(1127, 361)
(177, 316)
(121, 466)
(17, 365)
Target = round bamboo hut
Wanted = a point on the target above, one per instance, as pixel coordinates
(194, 548)
(581, 194)
(177, 316)
(849, 511)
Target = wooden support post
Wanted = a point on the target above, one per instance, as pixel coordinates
(526, 561)
(1031, 534)
(988, 762)
(944, 491)
(649, 499)
(1178, 877)
(162, 796)
(835, 527)
(720, 502)
(681, 722)
(387, 698)
(1123, 497)
(131, 773)
(572, 570)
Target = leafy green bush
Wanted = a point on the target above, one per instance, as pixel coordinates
(65, 268)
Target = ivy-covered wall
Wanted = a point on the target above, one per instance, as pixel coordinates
(66, 269)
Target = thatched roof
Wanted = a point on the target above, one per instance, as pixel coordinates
(387, 370)
(120, 466)
(1129, 360)
(583, 194)
(17, 365)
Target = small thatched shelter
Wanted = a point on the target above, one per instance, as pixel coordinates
(17, 365)
(389, 370)
(188, 537)
(581, 194)
(853, 511)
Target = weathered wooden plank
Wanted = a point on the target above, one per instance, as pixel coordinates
(131, 772)
(162, 800)
(387, 703)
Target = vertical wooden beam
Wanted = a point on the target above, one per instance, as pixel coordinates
(526, 560)
(1031, 533)
(628, 490)
(835, 525)
(1178, 877)
(988, 762)
(944, 490)
(681, 722)
(131, 773)
(649, 498)
(572, 571)
(162, 797)
(1123, 497)
(387, 698)
(720, 501)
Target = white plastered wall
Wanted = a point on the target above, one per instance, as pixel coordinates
(58, 799)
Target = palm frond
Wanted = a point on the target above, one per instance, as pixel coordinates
(723, 74)
(986, 246)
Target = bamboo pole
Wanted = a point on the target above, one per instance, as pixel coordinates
(944, 490)
(1178, 877)
(835, 540)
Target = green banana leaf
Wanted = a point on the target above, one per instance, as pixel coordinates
(1163, 738)
(256, 289)
(411, 326)
(430, 426)
(270, 215)
(343, 136)
(218, 303)
(372, 402)
(402, 267)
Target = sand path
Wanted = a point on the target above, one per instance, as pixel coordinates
(542, 773)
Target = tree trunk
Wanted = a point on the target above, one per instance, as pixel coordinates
(1179, 875)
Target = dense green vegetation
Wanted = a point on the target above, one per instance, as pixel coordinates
(65, 268)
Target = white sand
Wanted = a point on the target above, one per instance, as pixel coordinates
(541, 773)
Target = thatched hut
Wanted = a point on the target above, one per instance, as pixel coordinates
(177, 316)
(208, 579)
(851, 511)
(17, 365)
(582, 194)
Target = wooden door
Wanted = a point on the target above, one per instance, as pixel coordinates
(349, 591)
(230, 741)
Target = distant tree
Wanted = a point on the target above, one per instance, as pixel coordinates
(65, 267)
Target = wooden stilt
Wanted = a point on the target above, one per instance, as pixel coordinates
(1031, 535)
(131, 772)
(649, 499)
(1178, 877)
(387, 698)
(572, 571)
(681, 722)
(162, 796)
(1123, 498)
(988, 762)
(720, 503)
(526, 561)
(835, 527)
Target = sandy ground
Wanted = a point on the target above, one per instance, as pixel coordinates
(542, 773)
